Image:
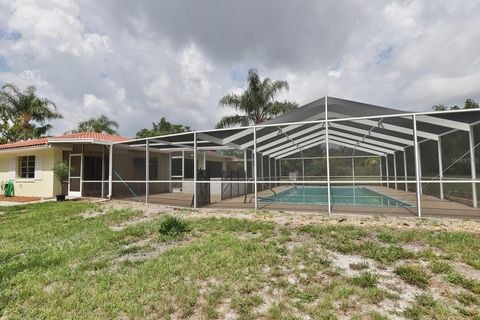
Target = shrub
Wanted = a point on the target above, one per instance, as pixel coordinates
(61, 171)
(173, 226)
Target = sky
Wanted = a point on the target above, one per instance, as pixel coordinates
(138, 61)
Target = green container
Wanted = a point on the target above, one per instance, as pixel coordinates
(8, 190)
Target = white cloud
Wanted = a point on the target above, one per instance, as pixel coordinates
(139, 61)
(54, 25)
(334, 74)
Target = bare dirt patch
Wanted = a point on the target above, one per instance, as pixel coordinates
(466, 270)
(226, 310)
(19, 199)
(294, 218)
(403, 292)
(152, 249)
(149, 211)
(92, 213)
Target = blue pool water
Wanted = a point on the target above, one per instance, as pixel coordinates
(351, 196)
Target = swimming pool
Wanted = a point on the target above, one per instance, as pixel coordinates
(351, 196)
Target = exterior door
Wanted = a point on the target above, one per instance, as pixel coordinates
(75, 175)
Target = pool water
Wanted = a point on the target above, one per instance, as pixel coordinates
(352, 196)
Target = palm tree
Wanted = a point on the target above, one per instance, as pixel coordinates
(101, 124)
(257, 103)
(26, 106)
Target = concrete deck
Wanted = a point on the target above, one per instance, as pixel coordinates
(431, 206)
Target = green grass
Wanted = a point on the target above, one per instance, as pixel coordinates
(426, 307)
(55, 264)
(414, 275)
(359, 266)
(383, 244)
(440, 267)
(461, 280)
(172, 226)
(365, 280)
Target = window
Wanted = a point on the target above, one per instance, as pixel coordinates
(27, 167)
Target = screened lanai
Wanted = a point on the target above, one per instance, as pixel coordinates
(331, 155)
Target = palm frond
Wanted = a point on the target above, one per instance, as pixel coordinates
(100, 124)
(232, 121)
(278, 108)
(230, 100)
(11, 87)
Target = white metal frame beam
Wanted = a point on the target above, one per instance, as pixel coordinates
(271, 134)
(366, 140)
(391, 127)
(218, 141)
(371, 133)
(443, 122)
(242, 134)
(291, 136)
(297, 147)
(362, 144)
(309, 146)
(344, 144)
(473, 168)
(338, 136)
(294, 143)
(417, 168)
(352, 145)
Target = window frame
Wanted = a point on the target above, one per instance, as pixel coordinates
(29, 167)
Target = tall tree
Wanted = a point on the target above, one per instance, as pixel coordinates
(163, 127)
(101, 124)
(440, 107)
(27, 108)
(257, 103)
(469, 104)
(9, 130)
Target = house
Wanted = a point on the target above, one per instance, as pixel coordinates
(29, 164)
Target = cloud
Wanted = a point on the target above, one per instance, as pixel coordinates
(138, 61)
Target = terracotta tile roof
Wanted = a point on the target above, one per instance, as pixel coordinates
(90, 135)
(24, 144)
(101, 137)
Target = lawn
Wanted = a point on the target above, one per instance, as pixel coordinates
(83, 260)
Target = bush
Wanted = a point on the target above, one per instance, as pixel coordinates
(173, 226)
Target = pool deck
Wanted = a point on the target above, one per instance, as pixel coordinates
(431, 206)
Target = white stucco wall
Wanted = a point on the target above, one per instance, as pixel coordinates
(44, 184)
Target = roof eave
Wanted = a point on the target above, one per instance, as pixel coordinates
(6, 150)
(81, 140)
